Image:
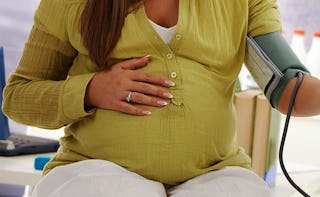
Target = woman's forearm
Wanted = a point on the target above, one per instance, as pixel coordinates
(307, 101)
(45, 103)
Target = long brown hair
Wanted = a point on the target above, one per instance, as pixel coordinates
(100, 27)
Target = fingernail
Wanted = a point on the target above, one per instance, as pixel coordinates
(146, 112)
(147, 56)
(168, 95)
(162, 103)
(170, 83)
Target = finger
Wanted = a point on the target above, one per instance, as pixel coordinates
(130, 109)
(150, 89)
(133, 64)
(140, 98)
(151, 78)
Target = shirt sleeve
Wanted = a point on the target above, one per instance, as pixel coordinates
(263, 16)
(39, 92)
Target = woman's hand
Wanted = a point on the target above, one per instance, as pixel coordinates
(108, 89)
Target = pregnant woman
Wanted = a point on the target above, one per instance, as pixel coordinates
(145, 90)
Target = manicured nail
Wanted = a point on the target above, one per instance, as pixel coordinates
(147, 56)
(146, 112)
(170, 83)
(168, 95)
(162, 103)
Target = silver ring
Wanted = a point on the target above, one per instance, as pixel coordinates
(129, 97)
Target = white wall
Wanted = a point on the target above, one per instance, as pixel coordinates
(16, 18)
(300, 14)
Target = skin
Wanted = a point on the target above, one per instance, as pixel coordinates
(108, 89)
(307, 101)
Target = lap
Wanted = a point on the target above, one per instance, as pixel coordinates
(102, 178)
(96, 178)
(229, 181)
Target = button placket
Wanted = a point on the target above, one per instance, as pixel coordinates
(178, 36)
(173, 75)
(169, 56)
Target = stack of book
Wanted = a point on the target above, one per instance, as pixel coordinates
(258, 129)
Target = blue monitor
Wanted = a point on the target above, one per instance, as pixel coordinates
(4, 126)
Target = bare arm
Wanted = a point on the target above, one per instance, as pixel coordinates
(307, 102)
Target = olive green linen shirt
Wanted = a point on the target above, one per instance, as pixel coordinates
(194, 134)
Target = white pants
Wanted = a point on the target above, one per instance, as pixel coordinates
(98, 178)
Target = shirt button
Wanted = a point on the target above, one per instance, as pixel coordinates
(169, 56)
(173, 75)
(178, 36)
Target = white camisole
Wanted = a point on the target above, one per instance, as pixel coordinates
(165, 33)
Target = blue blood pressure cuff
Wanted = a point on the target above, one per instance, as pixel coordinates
(272, 63)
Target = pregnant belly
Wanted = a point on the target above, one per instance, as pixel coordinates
(173, 144)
